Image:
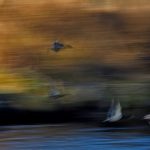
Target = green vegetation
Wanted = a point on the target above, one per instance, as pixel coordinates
(33, 90)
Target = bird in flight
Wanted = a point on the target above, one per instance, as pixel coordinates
(57, 46)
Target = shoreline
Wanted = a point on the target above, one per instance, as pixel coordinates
(12, 116)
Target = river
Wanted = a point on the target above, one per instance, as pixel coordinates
(72, 137)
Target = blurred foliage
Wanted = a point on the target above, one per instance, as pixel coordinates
(109, 57)
(34, 90)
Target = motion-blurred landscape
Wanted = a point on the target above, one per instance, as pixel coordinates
(109, 55)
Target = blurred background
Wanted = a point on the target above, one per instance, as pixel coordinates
(63, 61)
(108, 57)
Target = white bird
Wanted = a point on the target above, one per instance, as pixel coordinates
(147, 117)
(56, 93)
(114, 113)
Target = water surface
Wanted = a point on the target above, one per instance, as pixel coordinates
(72, 137)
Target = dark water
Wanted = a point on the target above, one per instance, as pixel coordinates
(72, 137)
